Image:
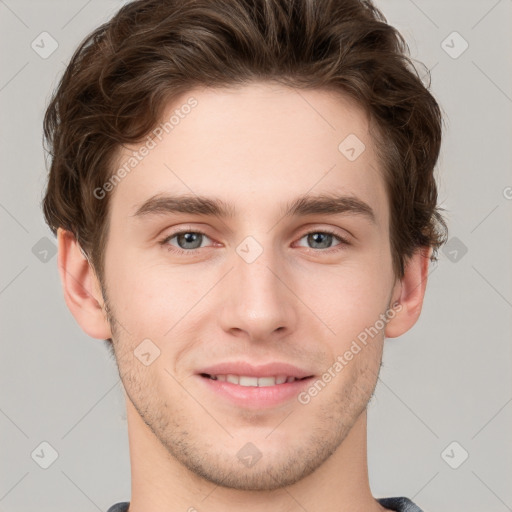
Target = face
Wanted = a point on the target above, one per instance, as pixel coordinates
(264, 284)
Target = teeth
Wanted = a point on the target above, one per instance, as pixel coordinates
(266, 381)
(248, 381)
(244, 380)
(232, 378)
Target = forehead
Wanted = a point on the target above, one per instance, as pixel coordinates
(255, 146)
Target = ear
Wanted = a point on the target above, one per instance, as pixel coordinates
(82, 291)
(409, 292)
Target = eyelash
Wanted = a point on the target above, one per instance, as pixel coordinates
(192, 252)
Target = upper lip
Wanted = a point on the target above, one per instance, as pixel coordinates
(247, 369)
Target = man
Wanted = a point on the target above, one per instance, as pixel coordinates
(244, 200)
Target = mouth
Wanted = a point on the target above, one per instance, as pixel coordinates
(252, 381)
(251, 392)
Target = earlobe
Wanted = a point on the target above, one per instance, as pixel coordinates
(80, 285)
(409, 293)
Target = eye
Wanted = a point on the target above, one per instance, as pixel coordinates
(187, 241)
(323, 239)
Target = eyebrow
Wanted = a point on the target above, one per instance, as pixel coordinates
(324, 204)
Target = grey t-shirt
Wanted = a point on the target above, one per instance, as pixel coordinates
(400, 504)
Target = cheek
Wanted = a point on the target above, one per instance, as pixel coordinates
(150, 296)
(348, 297)
(150, 299)
(140, 297)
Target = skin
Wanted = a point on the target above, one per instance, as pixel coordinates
(256, 148)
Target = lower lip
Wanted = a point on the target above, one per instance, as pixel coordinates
(254, 396)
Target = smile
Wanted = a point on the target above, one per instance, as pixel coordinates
(244, 380)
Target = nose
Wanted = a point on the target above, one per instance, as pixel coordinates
(259, 303)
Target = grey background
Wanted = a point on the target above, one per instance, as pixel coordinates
(447, 380)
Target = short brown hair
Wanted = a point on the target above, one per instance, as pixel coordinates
(124, 74)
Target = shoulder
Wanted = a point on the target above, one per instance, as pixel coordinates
(119, 507)
(399, 504)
